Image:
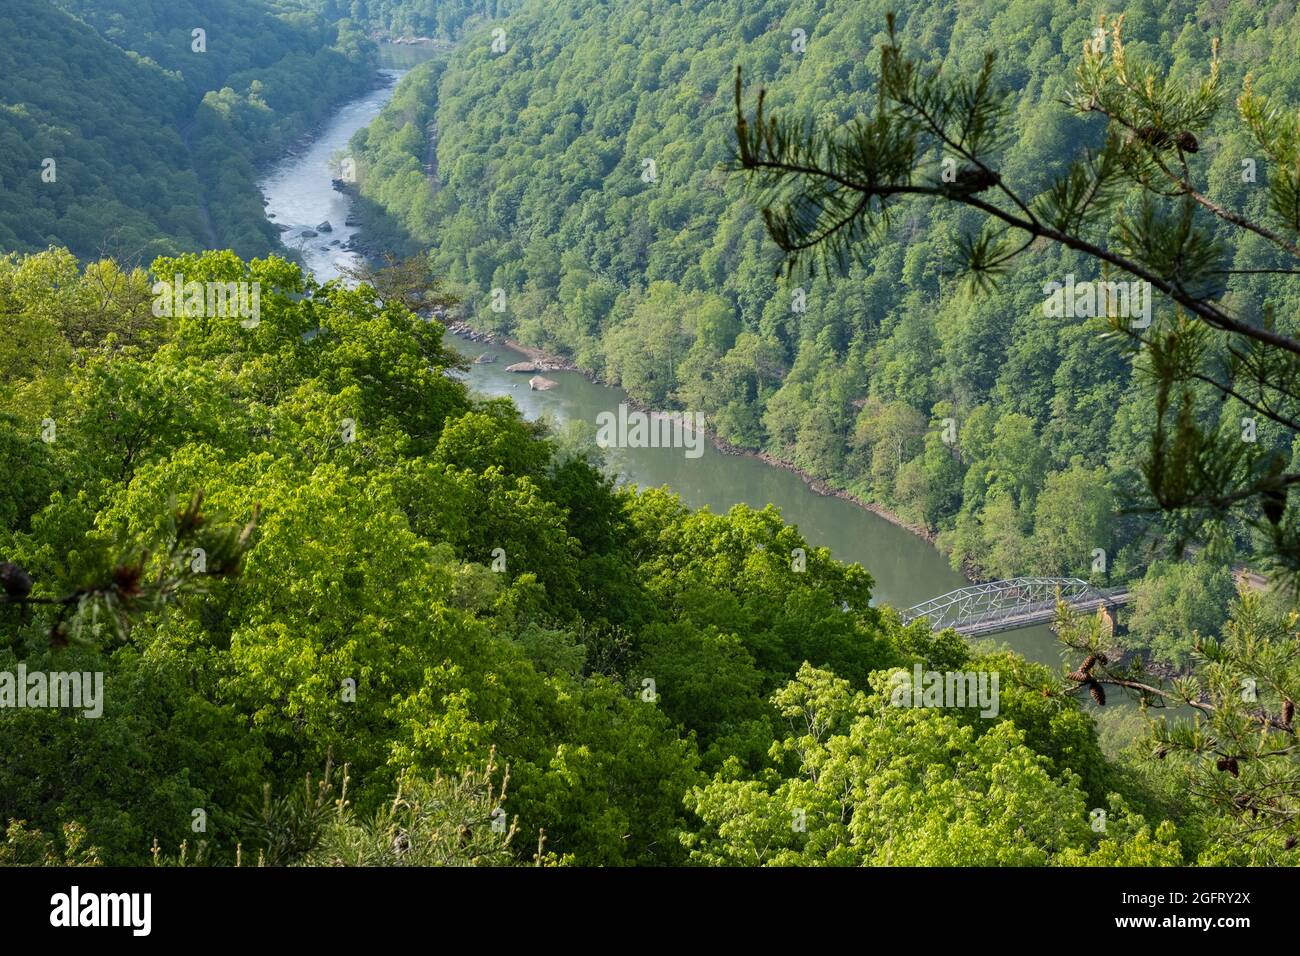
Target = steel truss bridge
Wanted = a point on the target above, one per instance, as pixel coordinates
(1007, 605)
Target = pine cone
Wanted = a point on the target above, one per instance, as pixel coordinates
(1080, 676)
(1154, 136)
(1288, 711)
(1187, 142)
(1290, 843)
(16, 582)
(1088, 662)
(1228, 765)
(1097, 692)
(972, 179)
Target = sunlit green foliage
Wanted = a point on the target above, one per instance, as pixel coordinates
(669, 286)
(431, 585)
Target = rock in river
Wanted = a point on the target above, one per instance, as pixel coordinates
(539, 383)
(522, 367)
(325, 227)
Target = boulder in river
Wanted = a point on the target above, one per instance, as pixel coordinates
(522, 367)
(487, 358)
(325, 227)
(309, 233)
(540, 383)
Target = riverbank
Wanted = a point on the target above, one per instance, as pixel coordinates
(383, 77)
(541, 360)
(394, 60)
(823, 487)
(299, 191)
(551, 362)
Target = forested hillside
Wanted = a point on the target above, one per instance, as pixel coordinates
(581, 172)
(119, 134)
(421, 578)
(439, 19)
(346, 612)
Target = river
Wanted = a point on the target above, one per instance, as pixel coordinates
(906, 568)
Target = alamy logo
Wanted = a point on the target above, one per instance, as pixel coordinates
(103, 909)
(1083, 300)
(947, 689)
(74, 690)
(210, 299)
(635, 429)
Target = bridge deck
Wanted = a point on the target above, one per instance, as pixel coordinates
(1045, 614)
(980, 609)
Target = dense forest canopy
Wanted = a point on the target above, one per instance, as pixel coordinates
(667, 284)
(350, 613)
(643, 669)
(407, 19)
(124, 132)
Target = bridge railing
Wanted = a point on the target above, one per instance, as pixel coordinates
(995, 601)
